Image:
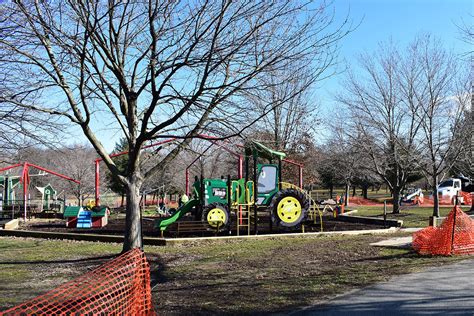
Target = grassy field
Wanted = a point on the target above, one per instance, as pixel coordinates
(237, 277)
(412, 216)
(379, 195)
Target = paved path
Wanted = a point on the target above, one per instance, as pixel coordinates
(448, 290)
(398, 242)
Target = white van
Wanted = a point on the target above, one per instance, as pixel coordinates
(449, 188)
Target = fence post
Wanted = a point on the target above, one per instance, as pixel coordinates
(454, 227)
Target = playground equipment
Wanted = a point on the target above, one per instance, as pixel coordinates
(79, 217)
(287, 205)
(180, 212)
(11, 182)
(48, 194)
(44, 196)
(217, 201)
(161, 200)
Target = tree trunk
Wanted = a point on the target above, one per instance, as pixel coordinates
(133, 227)
(354, 191)
(396, 200)
(346, 193)
(365, 189)
(331, 189)
(435, 197)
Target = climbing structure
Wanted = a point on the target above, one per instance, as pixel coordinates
(455, 236)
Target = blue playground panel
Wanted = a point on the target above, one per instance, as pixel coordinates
(84, 219)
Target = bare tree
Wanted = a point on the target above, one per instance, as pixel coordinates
(466, 32)
(20, 128)
(76, 161)
(463, 164)
(154, 69)
(440, 108)
(295, 117)
(378, 116)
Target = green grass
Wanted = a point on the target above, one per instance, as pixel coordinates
(29, 267)
(411, 216)
(278, 275)
(237, 277)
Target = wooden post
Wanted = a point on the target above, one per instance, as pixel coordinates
(454, 227)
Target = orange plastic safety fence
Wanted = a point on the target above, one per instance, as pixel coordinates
(118, 287)
(467, 197)
(454, 236)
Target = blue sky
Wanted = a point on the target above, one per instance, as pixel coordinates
(400, 20)
(380, 20)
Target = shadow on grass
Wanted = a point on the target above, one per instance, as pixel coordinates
(157, 270)
(88, 259)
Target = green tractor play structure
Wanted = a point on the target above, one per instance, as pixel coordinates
(217, 203)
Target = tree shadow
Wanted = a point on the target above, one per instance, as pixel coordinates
(81, 260)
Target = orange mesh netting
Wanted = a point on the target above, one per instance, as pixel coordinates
(118, 287)
(442, 200)
(356, 200)
(467, 197)
(454, 236)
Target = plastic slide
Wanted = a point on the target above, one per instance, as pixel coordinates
(162, 224)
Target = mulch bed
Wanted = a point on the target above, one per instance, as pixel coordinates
(117, 227)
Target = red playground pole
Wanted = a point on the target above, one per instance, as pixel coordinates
(240, 177)
(26, 181)
(241, 167)
(300, 169)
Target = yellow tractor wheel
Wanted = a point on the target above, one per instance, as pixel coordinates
(216, 216)
(289, 208)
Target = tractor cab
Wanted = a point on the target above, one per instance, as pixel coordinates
(267, 183)
(288, 205)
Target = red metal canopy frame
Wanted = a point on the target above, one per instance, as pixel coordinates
(169, 140)
(240, 163)
(212, 139)
(98, 160)
(213, 142)
(25, 178)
